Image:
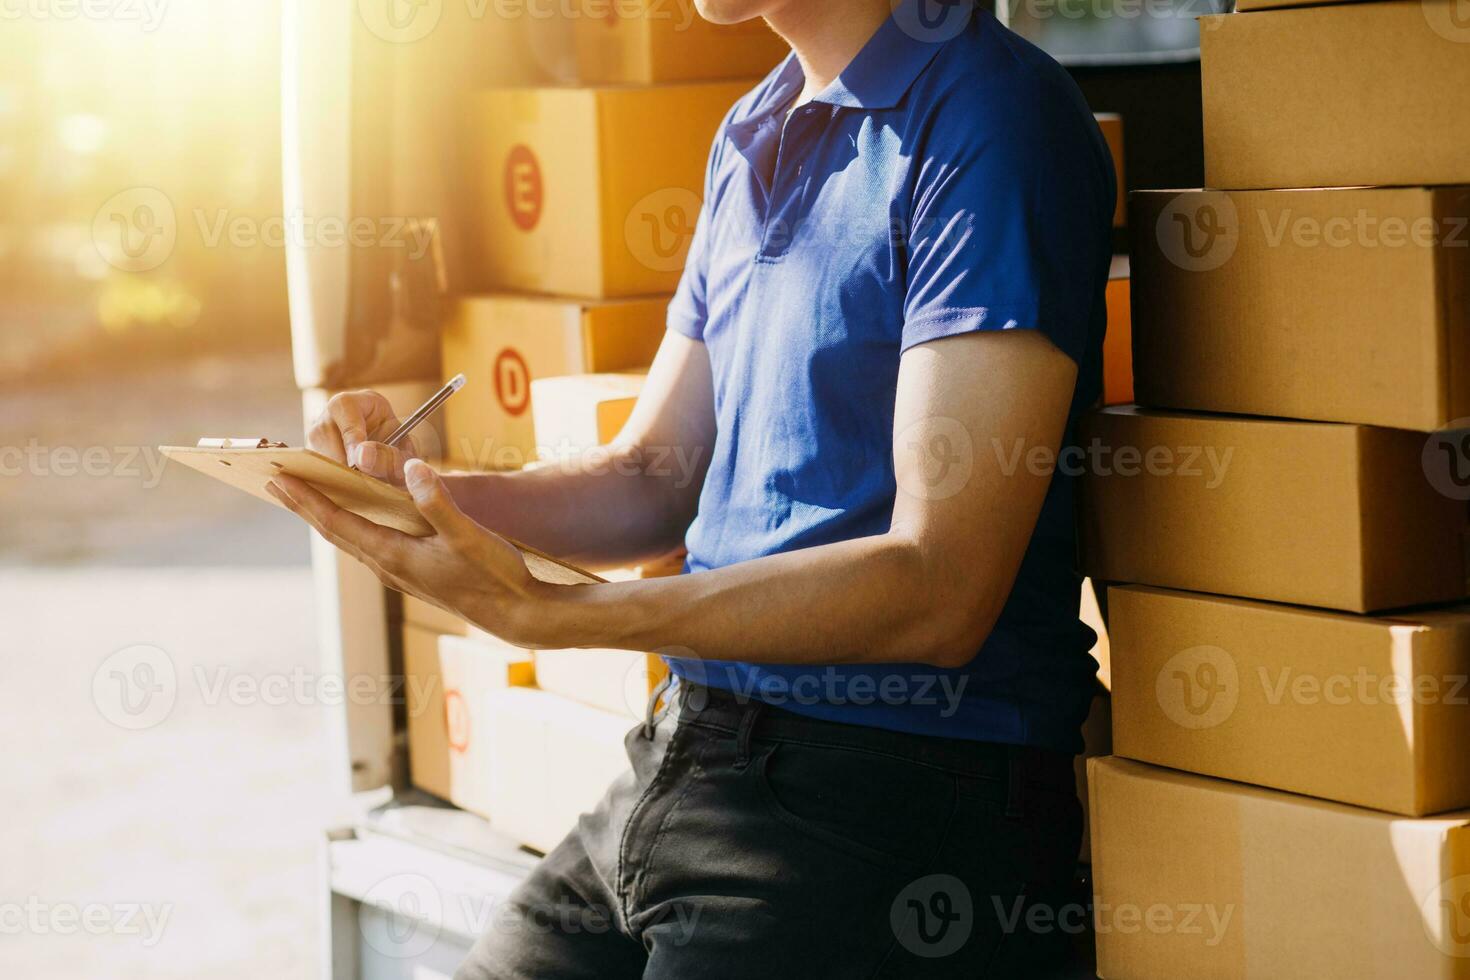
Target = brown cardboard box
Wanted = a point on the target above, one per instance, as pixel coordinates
(1245, 5)
(504, 343)
(1347, 305)
(1369, 711)
(1212, 880)
(448, 681)
(574, 413)
(564, 758)
(1118, 341)
(593, 191)
(1316, 513)
(641, 42)
(1350, 94)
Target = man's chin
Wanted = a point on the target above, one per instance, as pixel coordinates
(730, 11)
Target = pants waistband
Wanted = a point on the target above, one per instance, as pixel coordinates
(719, 709)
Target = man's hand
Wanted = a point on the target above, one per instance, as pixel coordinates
(351, 431)
(461, 567)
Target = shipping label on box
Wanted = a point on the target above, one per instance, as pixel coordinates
(1321, 514)
(1209, 879)
(1344, 95)
(642, 42)
(593, 192)
(503, 344)
(1345, 305)
(578, 412)
(1369, 711)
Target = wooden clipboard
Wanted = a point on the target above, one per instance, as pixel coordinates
(251, 467)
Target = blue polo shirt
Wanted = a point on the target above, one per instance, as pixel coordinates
(941, 185)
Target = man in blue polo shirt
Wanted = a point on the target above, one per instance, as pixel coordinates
(891, 316)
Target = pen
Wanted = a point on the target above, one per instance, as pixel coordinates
(425, 410)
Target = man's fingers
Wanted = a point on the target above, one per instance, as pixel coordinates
(433, 499)
(355, 535)
(359, 417)
(383, 461)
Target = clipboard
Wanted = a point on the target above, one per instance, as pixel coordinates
(250, 464)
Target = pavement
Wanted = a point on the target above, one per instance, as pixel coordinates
(166, 776)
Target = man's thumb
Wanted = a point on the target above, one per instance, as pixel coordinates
(432, 497)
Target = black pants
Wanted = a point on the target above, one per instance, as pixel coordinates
(748, 841)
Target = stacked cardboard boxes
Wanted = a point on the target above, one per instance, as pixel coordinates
(585, 199)
(1290, 648)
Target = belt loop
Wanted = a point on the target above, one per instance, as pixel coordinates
(1015, 783)
(649, 720)
(742, 737)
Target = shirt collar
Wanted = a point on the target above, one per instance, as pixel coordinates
(877, 77)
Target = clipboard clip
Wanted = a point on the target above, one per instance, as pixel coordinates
(258, 443)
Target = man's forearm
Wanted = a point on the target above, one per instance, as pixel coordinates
(877, 599)
(609, 508)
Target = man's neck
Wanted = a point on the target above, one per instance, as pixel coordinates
(826, 35)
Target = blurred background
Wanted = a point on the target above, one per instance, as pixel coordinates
(143, 301)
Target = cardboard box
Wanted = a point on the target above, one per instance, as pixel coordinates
(1345, 95)
(577, 412)
(566, 756)
(593, 191)
(505, 343)
(1118, 341)
(617, 681)
(1242, 6)
(448, 682)
(1347, 305)
(1369, 711)
(642, 42)
(1097, 740)
(1316, 513)
(1213, 880)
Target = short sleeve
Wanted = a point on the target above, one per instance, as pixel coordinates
(687, 310)
(1006, 230)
